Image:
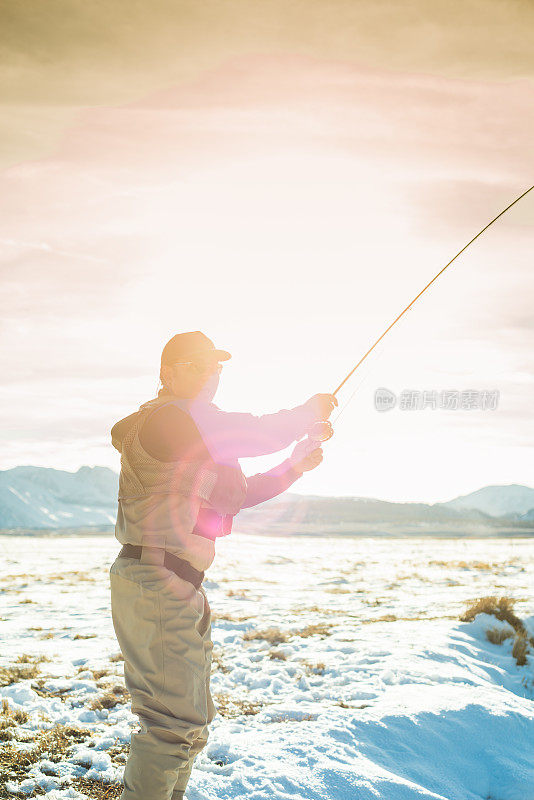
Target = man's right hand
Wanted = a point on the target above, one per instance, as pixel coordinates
(322, 405)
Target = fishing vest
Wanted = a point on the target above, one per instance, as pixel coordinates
(161, 503)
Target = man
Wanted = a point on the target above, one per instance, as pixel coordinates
(180, 486)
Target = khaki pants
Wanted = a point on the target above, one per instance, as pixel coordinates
(163, 626)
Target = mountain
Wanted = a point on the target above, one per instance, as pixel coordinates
(307, 514)
(40, 497)
(497, 501)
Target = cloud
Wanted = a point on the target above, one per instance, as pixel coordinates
(64, 54)
(298, 181)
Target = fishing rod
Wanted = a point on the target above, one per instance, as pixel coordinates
(323, 430)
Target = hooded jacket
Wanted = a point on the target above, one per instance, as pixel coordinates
(181, 483)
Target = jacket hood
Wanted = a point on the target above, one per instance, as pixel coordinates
(121, 428)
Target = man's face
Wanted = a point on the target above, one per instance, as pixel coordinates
(198, 378)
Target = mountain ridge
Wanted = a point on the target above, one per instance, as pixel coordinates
(44, 498)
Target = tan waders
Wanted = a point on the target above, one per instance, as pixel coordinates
(162, 622)
(163, 626)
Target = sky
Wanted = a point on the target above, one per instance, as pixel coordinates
(285, 178)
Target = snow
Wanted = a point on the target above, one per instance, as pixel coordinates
(397, 700)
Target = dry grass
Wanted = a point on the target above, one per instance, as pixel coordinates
(347, 705)
(520, 649)
(461, 564)
(27, 600)
(52, 745)
(491, 566)
(415, 576)
(276, 636)
(10, 719)
(318, 629)
(116, 657)
(338, 590)
(236, 593)
(39, 688)
(97, 791)
(217, 661)
(47, 635)
(498, 635)
(15, 673)
(227, 617)
(27, 658)
(98, 673)
(278, 654)
(230, 706)
(118, 753)
(272, 635)
(109, 699)
(314, 669)
(502, 609)
(73, 576)
(85, 636)
(317, 610)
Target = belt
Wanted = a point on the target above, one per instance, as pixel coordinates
(179, 566)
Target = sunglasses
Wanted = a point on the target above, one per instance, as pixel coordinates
(202, 367)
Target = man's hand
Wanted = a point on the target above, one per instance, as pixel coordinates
(322, 405)
(306, 455)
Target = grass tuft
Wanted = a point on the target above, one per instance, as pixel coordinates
(116, 657)
(15, 673)
(27, 658)
(10, 719)
(498, 635)
(278, 654)
(315, 669)
(230, 706)
(109, 699)
(276, 636)
(272, 635)
(227, 617)
(217, 662)
(98, 673)
(500, 607)
(52, 744)
(520, 649)
(318, 629)
(97, 791)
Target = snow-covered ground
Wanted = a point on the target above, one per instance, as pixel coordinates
(388, 695)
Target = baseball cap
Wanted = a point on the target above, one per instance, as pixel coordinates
(185, 346)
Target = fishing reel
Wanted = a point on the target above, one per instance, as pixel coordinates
(320, 432)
